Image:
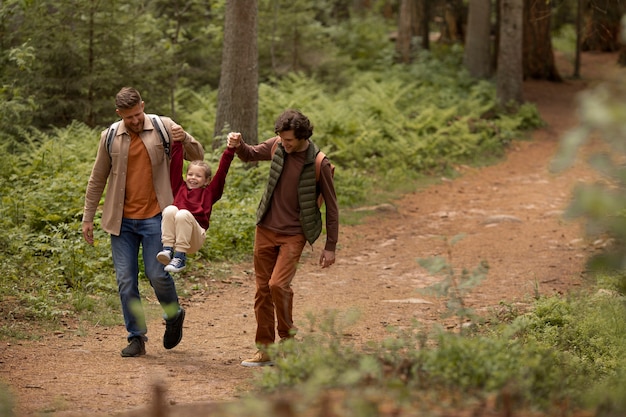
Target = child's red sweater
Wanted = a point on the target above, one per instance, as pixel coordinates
(199, 201)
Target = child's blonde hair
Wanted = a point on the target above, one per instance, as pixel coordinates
(204, 165)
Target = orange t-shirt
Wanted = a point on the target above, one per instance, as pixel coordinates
(140, 201)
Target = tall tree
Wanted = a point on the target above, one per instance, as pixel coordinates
(454, 16)
(238, 93)
(510, 74)
(538, 54)
(496, 37)
(407, 29)
(413, 23)
(425, 23)
(477, 54)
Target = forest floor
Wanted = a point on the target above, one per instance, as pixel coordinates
(510, 214)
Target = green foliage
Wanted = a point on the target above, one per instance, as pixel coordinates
(565, 41)
(43, 257)
(610, 395)
(491, 364)
(589, 330)
(602, 204)
(64, 61)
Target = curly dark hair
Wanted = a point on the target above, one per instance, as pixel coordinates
(296, 121)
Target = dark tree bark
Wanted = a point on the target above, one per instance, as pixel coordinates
(579, 19)
(477, 54)
(602, 24)
(510, 73)
(454, 18)
(496, 37)
(538, 54)
(408, 21)
(238, 94)
(424, 26)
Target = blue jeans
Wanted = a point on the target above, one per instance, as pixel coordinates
(125, 250)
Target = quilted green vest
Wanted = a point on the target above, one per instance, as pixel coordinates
(310, 216)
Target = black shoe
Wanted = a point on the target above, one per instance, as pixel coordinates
(174, 330)
(136, 347)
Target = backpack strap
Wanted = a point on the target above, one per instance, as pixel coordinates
(158, 125)
(318, 164)
(111, 133)
(156, 122)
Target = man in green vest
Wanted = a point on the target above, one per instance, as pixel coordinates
(287, 218)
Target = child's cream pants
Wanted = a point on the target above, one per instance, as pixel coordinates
(181, 231)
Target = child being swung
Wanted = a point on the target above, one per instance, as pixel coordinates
(186, 221)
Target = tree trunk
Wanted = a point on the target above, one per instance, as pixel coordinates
(496, 37)
(387, 9)
(510, 74)
(602, 25)
(454, 16)
(424, 23)
(477, 55)
(407, 29)
(579, 17)
(238, 94)
(538, 55)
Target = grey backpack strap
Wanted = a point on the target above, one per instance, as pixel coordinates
(163, 133)
(111, 135)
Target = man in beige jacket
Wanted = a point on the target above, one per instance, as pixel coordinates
(136, 166)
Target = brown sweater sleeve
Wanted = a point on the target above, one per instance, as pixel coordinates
(327, 188)
(260, 152)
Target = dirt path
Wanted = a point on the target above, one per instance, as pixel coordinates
(510, 214)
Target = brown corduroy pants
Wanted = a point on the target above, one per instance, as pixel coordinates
(276, 258)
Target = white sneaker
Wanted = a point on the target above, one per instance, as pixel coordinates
(165, 256)
(176, 265)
